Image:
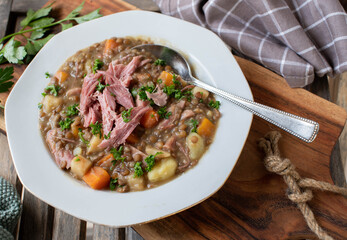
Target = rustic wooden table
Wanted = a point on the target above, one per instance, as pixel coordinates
(41, 221)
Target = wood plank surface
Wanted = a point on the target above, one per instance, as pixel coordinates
(252, 203)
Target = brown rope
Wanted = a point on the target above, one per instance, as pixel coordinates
(298, 187)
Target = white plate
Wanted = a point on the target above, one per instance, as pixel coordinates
(213, 63)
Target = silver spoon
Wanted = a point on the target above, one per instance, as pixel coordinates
(302, 128)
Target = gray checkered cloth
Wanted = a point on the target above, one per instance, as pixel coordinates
(10, 209)
(295, 38)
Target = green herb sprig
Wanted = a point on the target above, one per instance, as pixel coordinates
(96, 128)
(215, 104)
(66, 124)
(163, 113)
(150, 160)
(72, 110)
(38, 23)
(126, 115)
(194, 123)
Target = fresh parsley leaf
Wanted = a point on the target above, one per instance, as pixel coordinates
(77, 159)
(163, 113)
(96, 128)
(90, 16)
(160, 62)
(39, 105)
(13, 52)
(33, 47)
(138, 172)
(150, 160)
(42, 22)
(113, 183)
(66, 124)
(175, 92)
(66, 26)
(5, 77)
(76, 11)
(194, 123)
(80, 134)
(72, 110)
(126, 115)
(44, 94)
(32, 15)
(97, 65)
(117, 154)
(53, 89)
(47, 75)
(159, 81)
(215, 104)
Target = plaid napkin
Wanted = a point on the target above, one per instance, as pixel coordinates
(10, 209)
(295, 38)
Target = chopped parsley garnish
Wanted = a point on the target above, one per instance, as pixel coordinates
(126, 115)
(100, 87)
(40, 105)
(151, 161)
(138, 172)
(65, 124)
(113, 183)
(108, 135)
(159, 81)
(117, 155)
(72, 110)
(53, 89)
(47, 75)
(172, 91)
(160, 62)
(175, 81)
(77, 159)
(194, 123)
(142, 92)
(215, 104)
(163, 113)
(80, 134)
(44, 94)
(84, 75)
(96, 128)
(97, 65)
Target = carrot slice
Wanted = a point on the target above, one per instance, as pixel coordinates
(166, 78)
(109, 45)
(97, 178)
(206, 128)
(104, 159)
(132, 139)
(150, 119)
(61, 76)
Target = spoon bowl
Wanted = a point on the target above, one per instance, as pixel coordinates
(300, 127)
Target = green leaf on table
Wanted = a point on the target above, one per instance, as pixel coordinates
(66, 26)
(13, 52)
(37, 34)
(41, 22)
(5, 77)
(76, 11)
(90, 16)
(32, 47)
(33, 15)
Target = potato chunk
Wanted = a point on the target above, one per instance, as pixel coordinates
(93, 144)
(200, 93)
(195, 145)
(136, 183)
(50, 103)
(152, 151)
(163, 170)
(80, 166)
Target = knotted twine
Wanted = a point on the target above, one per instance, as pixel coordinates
(298, 188)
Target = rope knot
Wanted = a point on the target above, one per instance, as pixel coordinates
(301, 197)
(278, 165)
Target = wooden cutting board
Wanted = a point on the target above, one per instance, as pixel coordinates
(252, 204)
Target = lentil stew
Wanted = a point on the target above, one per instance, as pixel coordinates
(120, 119)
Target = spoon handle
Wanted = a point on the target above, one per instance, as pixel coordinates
(302, 128)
